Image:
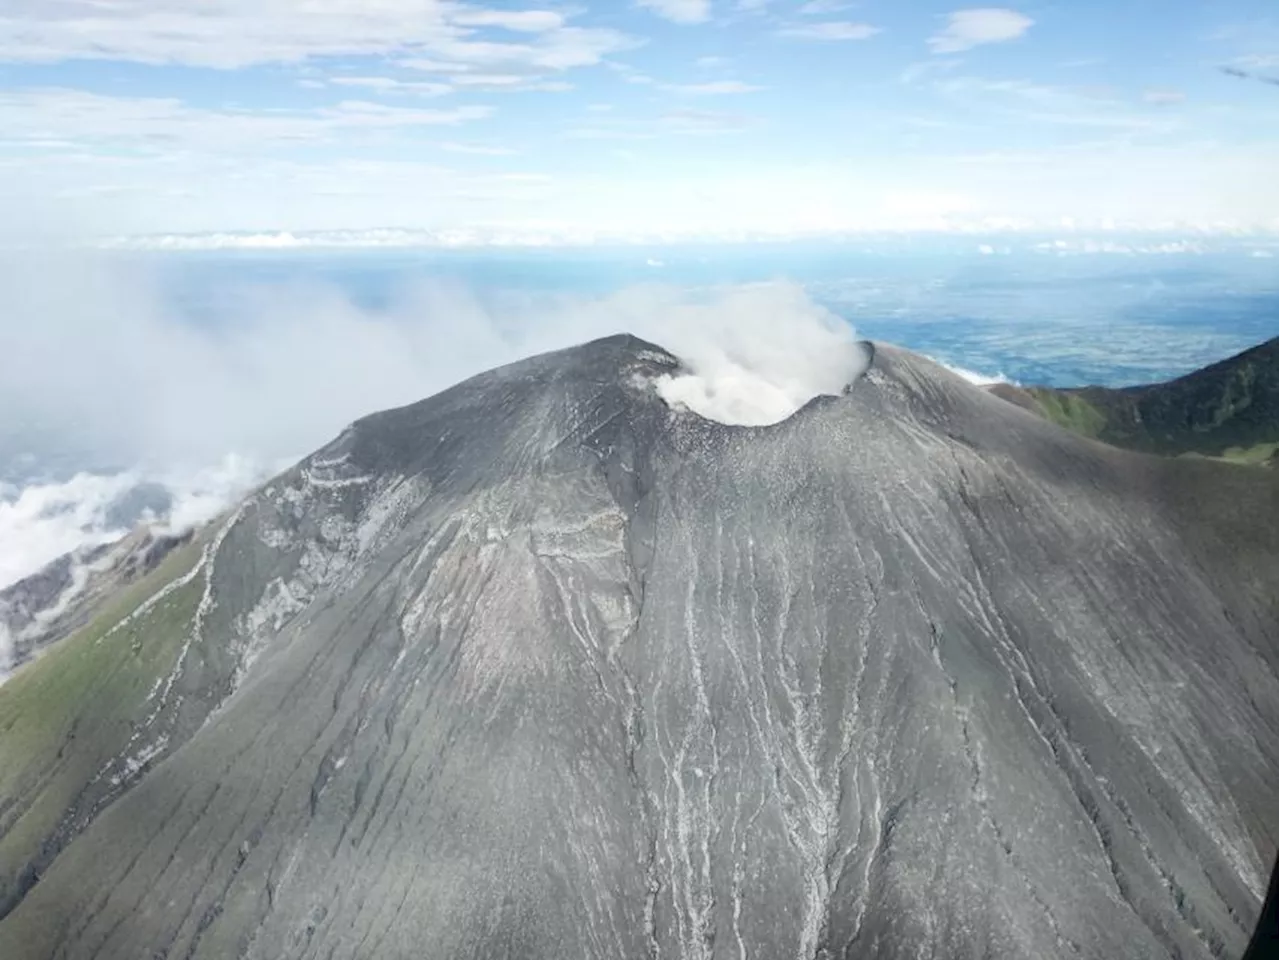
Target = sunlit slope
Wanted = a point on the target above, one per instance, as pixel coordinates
(1226, 410)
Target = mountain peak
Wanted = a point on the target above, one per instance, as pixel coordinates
(547, 666)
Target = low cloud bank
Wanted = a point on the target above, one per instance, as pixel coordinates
(40, 522)
(973, 376)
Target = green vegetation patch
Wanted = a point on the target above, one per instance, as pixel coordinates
(1223, 411)
(64, 716)
(1260, 453)
(1071, 411)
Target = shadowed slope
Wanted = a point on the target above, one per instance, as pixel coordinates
(1265, 944)
(541, 668)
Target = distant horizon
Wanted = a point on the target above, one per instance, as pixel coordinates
(1061, 238)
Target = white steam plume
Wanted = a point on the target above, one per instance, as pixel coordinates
(756, 354)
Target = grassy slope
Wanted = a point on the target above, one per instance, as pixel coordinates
(1225, 410)
(64, 716)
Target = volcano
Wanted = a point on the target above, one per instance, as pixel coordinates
(545, 667)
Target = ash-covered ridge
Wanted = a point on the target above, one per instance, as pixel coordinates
(543, 667)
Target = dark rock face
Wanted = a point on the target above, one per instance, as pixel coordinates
(539, 668)
(1264, 943)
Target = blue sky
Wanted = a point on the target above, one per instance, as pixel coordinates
(660, 117)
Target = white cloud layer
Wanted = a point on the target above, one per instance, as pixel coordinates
(966, 29)
(236, 33)
(350, 118)
(125, 165)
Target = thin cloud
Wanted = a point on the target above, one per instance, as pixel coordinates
(1024, 100)
(628, 73)
(967, 29)
(705, 121)
(829, 30)
(679, 11)
(711, 88)
(1257, 61)
(521, 21)
(818, 8)
(561, 49)
(923, 69)
(509, 82)
(632, 131)
(229, 34)
(479, 67)
(387, 85)
(685, 121)
(1163, 97)
(151, 124)
(478, 149)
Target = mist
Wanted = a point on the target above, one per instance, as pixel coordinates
(99, 354)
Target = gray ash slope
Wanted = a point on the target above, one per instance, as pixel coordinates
(540, 668)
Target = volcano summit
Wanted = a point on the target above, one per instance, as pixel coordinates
(544, 667)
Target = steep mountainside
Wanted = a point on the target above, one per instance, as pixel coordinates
(1226, 410)
(541, 668)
